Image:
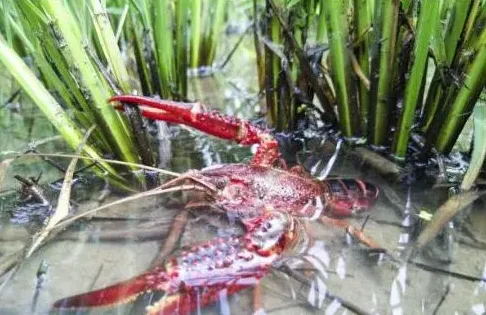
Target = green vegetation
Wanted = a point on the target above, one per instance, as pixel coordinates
(79, 51)
(375, 58)
(381, 71)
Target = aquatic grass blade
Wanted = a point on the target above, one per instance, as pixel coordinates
(74, 51)
(479, 147)
(45, 101)
(109, 45)
(62, 208)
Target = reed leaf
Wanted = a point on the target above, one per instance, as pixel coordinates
(71, 44)
(452, 39)
(109, 45)
(479, 149)
(46, 103)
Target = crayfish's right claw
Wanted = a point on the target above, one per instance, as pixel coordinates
(120, 293)
(209, 121)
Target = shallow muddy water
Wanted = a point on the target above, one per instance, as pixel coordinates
(335, 272)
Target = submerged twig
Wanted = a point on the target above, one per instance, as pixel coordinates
(153, 192)
(11, 98)
(240, 40)
(454, 274)
(61, 155)
(444, 215)
(41, 276)
(384, 166)
(62, 209)
(442, 299)
(31, 188)
(169, 244)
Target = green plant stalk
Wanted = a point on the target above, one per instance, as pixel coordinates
(456, 117)
(467, 34)
(46, 103)
(88, 76)
(142, 65)
(195, 32)
(459, 15)
(479, 150)
(362, 16)
(259, 48)
(17, 29)
(341, 69)
(109, 45)
(181, 40)
(455, 27)
(216, 28)
(321, 32)
(164, 47)
(56, 69)
(428, 19)
(381, 84)
(271, 68)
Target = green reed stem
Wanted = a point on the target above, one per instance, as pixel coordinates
(454, 119)
(164, 47)
(341, 68)
(459, 15)
(381, 77)
(362, 16)
(196, 32)
(479, 147)
(216, 28)
(429, 17)
(181, 45)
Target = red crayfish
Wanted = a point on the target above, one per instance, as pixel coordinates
(266, 197)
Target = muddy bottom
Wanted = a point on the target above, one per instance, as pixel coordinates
(335, 275)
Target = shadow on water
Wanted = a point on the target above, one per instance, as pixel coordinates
(334, 271)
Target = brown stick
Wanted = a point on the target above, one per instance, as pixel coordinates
(175, 233)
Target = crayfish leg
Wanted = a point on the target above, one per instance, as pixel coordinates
(353, 231)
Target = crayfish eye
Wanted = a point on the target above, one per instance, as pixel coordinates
(220, 183)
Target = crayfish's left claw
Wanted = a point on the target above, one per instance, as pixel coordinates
(209, 121)
(123, 292)
(196, 277)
